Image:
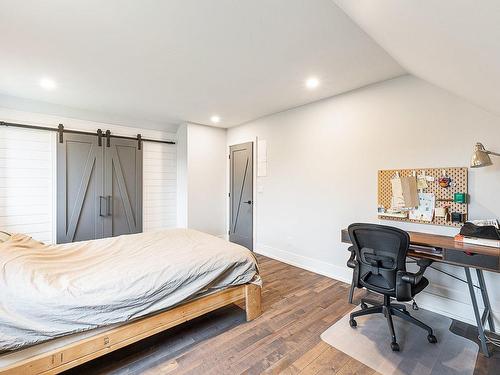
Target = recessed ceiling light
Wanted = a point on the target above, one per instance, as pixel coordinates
(312, 83)
(47, 83)
(215, 119)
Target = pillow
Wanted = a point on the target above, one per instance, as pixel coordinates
(4, 236)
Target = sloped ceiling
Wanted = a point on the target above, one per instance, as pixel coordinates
(454, 44)
(184, 60)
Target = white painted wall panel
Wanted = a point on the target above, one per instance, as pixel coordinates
(206, 179)
(159, 186)
(26, 182)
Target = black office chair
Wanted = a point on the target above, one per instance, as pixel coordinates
(378, 257)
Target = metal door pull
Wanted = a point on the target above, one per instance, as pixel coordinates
(101, 213)
(108, 205)
(105, 211)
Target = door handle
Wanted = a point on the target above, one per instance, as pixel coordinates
(248, 202)
(109, 202)
(105, 211)
(101, 198)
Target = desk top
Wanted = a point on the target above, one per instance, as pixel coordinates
(444, 242)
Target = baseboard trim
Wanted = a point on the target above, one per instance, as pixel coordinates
(310, 264)
(451, 308)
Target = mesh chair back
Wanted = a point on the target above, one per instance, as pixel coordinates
(380, 252)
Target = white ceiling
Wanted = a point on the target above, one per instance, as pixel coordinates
(185, 60)
(454, 44)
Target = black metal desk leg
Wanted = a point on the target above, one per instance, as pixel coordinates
(486, 299)
(480, 328)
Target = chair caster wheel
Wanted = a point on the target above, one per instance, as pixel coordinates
(353, 323)
(364, 306)
(432, 339)
(395, 346)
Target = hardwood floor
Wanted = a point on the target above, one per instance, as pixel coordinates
(298, 306)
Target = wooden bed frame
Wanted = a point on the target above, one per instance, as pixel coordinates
(71, 355)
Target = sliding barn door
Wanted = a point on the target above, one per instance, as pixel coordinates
(79, 186)
(99, 188)
(123, 187)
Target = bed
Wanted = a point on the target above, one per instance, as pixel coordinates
(62, 305)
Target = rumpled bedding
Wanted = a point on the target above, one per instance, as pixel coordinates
(48, 291)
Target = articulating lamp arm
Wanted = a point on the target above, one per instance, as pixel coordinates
(493, 153)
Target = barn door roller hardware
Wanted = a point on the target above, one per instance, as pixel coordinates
(139, 141)
(99, 137)
(61, 130)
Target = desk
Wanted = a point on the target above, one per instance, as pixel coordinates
(463, 255)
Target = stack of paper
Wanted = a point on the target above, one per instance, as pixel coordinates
(477, 241)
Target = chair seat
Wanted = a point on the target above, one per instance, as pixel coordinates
(415, 289)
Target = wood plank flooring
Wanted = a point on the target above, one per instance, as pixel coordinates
(298, 306)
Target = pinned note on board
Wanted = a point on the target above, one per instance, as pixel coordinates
(425, 209)
(404, 192)
(422, 181)
(410, 195)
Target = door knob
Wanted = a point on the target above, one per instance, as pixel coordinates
(248, 202)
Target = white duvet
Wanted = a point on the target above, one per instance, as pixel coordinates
(47, 291)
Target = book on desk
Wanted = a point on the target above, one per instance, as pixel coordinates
(477, 241)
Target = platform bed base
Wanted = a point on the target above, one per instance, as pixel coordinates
(77, 353)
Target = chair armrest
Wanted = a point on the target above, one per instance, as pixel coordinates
(411, 278)
(414, 278)
(404, 280)
(351, 263)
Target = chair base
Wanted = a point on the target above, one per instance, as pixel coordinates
(389, 310)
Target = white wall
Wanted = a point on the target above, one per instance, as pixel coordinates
(39, 148)
(202, 174)
(159, 177)
(27, 175)
(322, 168)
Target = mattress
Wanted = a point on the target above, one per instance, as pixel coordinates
(49, 291)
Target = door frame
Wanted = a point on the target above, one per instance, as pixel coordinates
(254, 188)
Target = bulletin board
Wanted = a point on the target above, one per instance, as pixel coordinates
(444, 196)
